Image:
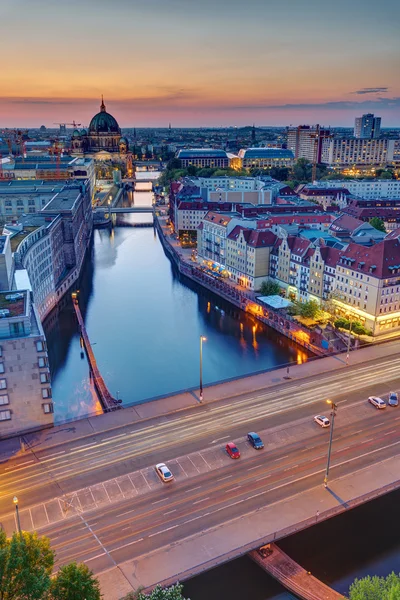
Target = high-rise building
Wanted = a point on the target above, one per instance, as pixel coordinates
(352, 151)
(305, 141)
(367, 127)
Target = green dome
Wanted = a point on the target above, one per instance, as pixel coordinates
(76, 134)
(103, 122)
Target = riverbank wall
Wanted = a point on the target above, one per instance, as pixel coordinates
(314, 341)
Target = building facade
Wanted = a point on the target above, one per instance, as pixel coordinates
(266, 158)
(203, 157)
(342, 152)
(25, 388)
(306, 141)
(103, 135)
(367, 127)
(375, 189)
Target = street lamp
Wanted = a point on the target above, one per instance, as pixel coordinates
(202, 339)
(15, 500)
(348, 342)
(333, 414)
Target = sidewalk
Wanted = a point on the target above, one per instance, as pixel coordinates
(175, 403)
(209, 548)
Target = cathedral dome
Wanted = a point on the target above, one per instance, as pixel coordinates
(103, 122)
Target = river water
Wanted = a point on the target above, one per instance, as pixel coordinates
(145, 323)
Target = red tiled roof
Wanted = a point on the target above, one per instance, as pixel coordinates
(381, 260)
(300, 245)
(330, 256)
(394, 234)
(217, 218)
(259, 238)
(234, 234)
(346, 223)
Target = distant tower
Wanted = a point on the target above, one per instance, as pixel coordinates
(134, 133)
(169, 131)
(253, 134)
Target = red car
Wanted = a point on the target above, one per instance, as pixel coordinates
(232, 450)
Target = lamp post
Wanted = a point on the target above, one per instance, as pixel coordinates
(348, 342)
(333, 414)
(15, 500)
(202, 339)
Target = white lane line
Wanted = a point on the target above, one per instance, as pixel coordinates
(227, 477)
(192, 489)
(256, 495)
(282, 457)
(205, 461)
(231, 489)
(252, 468)
(203, 500)
(114, 437)
(125, 528)
(94, 557)
(158, 501)
(390, 432)
(126, 513)
(169, 512)
(125, 545)
(359, 431)
(261, 478)
(194, 519)
(84, 446)
(182, 468)
(162, 531)
(220, 439)
(14, 467)
(51, 455)
(193, 464)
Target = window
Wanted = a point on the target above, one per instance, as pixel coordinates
(48, 408)
(5, 415)
(1, 367)
(3, 384)
(39, 346)
(4, 400)
(44, 378)
(42, 361)
(46, 392)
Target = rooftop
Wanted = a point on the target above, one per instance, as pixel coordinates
(63, 200)
(201, 153)
(13, 301)
(266, 153)
(15, 240)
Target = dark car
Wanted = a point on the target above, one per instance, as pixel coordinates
(255, 440)
(232, 450)
(393, 399)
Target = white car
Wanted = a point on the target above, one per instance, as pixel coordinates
(377, 402)
(163, 472)
(321, 420)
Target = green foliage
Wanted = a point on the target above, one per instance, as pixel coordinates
(378, 224)
(27, 568)
(75, 582)
(376, 588)
(174, 163)
(356, 326)
(270, 288)
(159, 593)
(308, 310)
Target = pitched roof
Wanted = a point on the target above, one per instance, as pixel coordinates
(330, 256)
(345, 223)
(381, 260)
(259, 238)
(218, 218)
(300, 245)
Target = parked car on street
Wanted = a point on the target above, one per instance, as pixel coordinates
(232, 450)
(393, 399)
(163, 472)
(255, 440)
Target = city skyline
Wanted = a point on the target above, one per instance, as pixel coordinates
(200, 65)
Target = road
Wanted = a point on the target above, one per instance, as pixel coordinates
(43, 474)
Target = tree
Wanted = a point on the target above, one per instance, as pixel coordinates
(376, 588)
(308, 310)
(75, 582)
(27, 568)
(159, 593)
(270, 288)
(378, 224)
(174, 163)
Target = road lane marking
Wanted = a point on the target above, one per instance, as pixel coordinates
(252, 468)
(202, 500)
(126, 513)
(125, 545)
(94, 557)
(390, 432)
(158, 501)
(169, 512)
(114, 437)
(231, 489)
(226, 477)
(51, 455)
(16, 467)
(192, 489)
(220, 439)
(261, 478)
(182, 467)
(162, 531)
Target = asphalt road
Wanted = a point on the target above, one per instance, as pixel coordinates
(111, 535)
(42, 474)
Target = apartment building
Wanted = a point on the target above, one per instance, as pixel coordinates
(203, 157)
(25, 389)
(247, 256)
(306, 141)
(367, 285)
(368, 126)
(324, 196)
(342, 152)
(374, 190)
(265, 158)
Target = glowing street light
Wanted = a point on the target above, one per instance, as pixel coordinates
(15, 500)
(333, 414)
(202, 339)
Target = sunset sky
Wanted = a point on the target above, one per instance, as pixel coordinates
(199, 62)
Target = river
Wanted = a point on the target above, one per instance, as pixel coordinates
(145, 324)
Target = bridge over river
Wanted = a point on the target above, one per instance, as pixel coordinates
(135, 530)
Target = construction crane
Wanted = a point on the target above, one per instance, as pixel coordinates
(315, 154)
(74, 125)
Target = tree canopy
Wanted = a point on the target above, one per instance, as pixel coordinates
(26, 565)
(159, 593)
(376, 588)
(378, 224)
(270, 288)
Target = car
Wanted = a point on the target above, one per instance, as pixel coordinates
(255, 440)
(163, 472)
(232, 450)
(393, 399)
(321, 420)
(377, 402)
